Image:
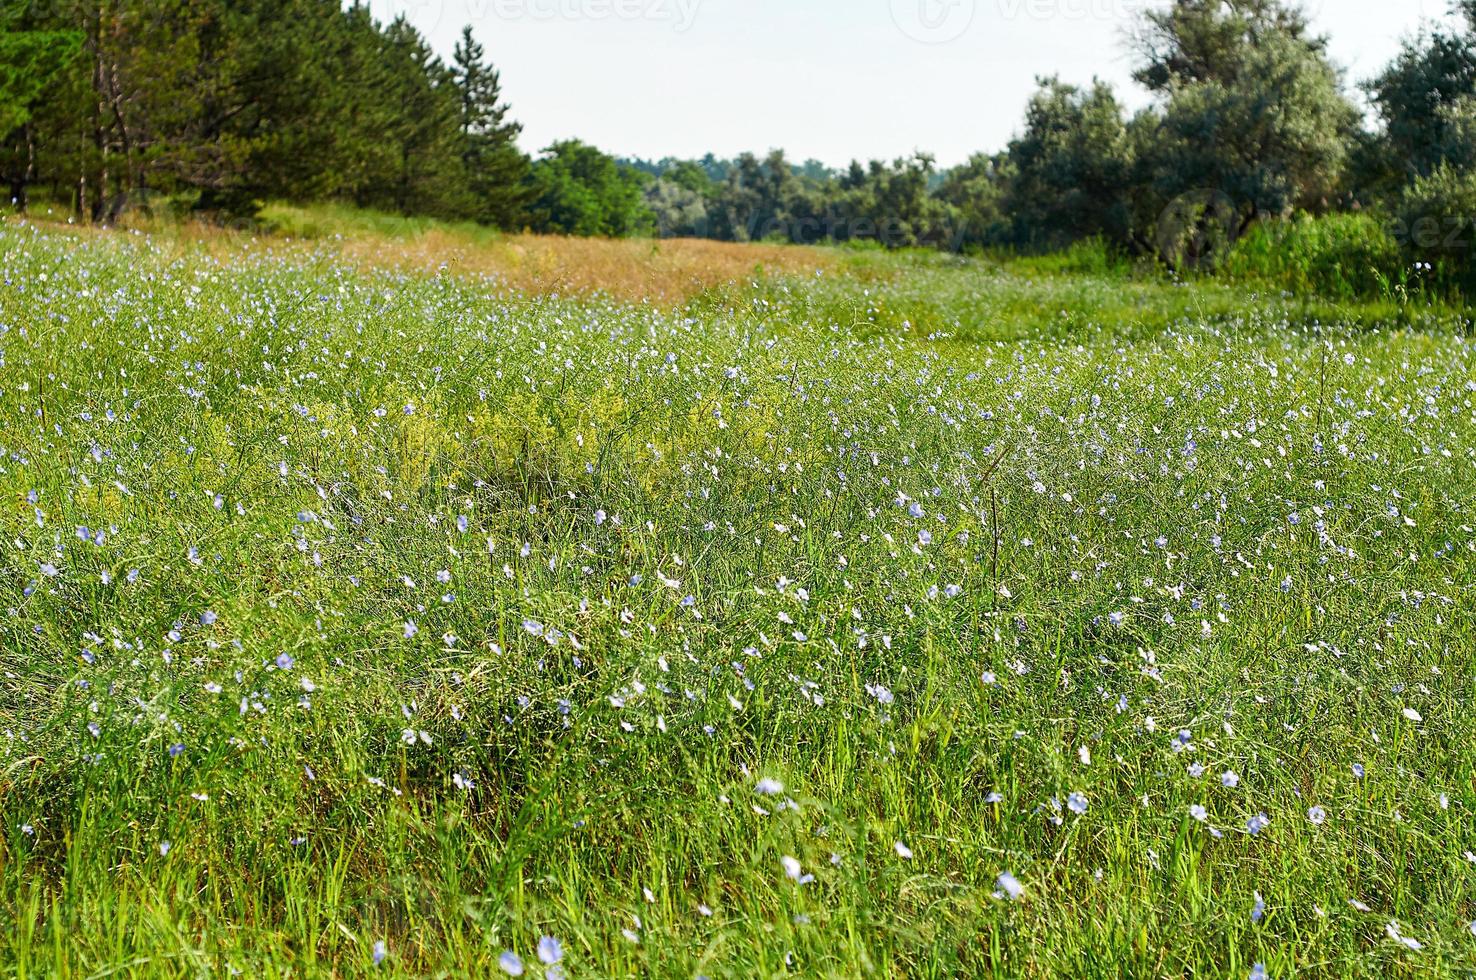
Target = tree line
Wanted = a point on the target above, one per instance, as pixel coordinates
(220, 106)
(113, 104)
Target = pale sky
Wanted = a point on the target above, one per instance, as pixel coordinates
(829, 79)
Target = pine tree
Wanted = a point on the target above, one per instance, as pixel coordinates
(29, 62)
(496, 170)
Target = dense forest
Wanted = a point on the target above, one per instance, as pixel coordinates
(219, 106)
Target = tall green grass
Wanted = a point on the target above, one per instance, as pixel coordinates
(359, 623)
(1339, 257)
(328, 220)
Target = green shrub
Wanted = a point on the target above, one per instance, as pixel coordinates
(1433, 221)
(1336, 256)
(1089, 257)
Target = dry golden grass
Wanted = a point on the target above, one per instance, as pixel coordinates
(662, 272)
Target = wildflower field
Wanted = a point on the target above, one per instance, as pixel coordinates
(873, 616)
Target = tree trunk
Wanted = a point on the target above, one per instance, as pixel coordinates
(99, 107)
(100, 143)
(81, 175)
(125, 178)
(20, 183)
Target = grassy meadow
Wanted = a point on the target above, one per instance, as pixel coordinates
(394, 602)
